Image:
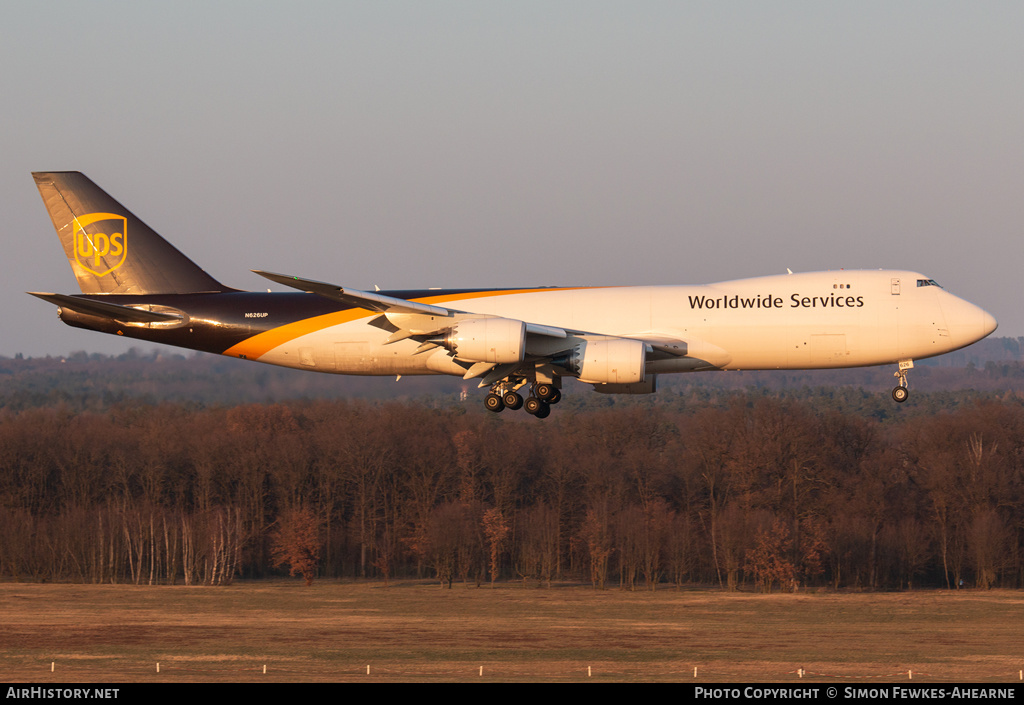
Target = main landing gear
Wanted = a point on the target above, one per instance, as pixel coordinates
(505, 395)
(901, 392)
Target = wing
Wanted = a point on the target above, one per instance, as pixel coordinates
(374, 301)
(353, 297)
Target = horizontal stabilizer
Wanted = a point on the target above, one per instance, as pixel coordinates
(371, 301)
(125, 314)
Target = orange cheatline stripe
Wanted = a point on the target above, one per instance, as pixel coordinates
(260, 344)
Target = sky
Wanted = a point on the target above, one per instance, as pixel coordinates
(408, 144)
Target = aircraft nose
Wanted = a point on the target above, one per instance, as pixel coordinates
(988, 323)
(967, 323)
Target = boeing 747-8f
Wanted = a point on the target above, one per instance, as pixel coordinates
(619, 339)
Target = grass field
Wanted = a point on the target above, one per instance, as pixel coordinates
(415, 631)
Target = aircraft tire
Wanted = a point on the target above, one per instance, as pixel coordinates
(900, 394)
(544, 411)
(512, 401)
(545, 391)
(533, 405)
(494, 403)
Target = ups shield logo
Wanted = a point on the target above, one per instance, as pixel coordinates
(101, 242)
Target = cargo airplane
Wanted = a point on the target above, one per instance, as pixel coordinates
(619, 339)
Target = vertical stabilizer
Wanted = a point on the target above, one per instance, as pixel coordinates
(110, 250)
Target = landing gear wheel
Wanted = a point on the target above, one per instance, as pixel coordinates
(533, 405)
(494, 403)
(512, 400)
(545, 391)
(544, 411)
(555, 398)
(900, 394)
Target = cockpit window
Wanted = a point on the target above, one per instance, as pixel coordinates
(927, 282)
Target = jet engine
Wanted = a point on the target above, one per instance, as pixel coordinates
(609, 360)
(498, 340)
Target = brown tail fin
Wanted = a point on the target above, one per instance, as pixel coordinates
(110, 250)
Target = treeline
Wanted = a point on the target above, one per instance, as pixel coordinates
(758, 493)
(991, 368)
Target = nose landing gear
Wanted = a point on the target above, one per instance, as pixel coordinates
(902, 392)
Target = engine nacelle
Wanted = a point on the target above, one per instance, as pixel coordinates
(498, 340)
(610, 361)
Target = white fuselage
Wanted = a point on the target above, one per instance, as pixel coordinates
(797, 321)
